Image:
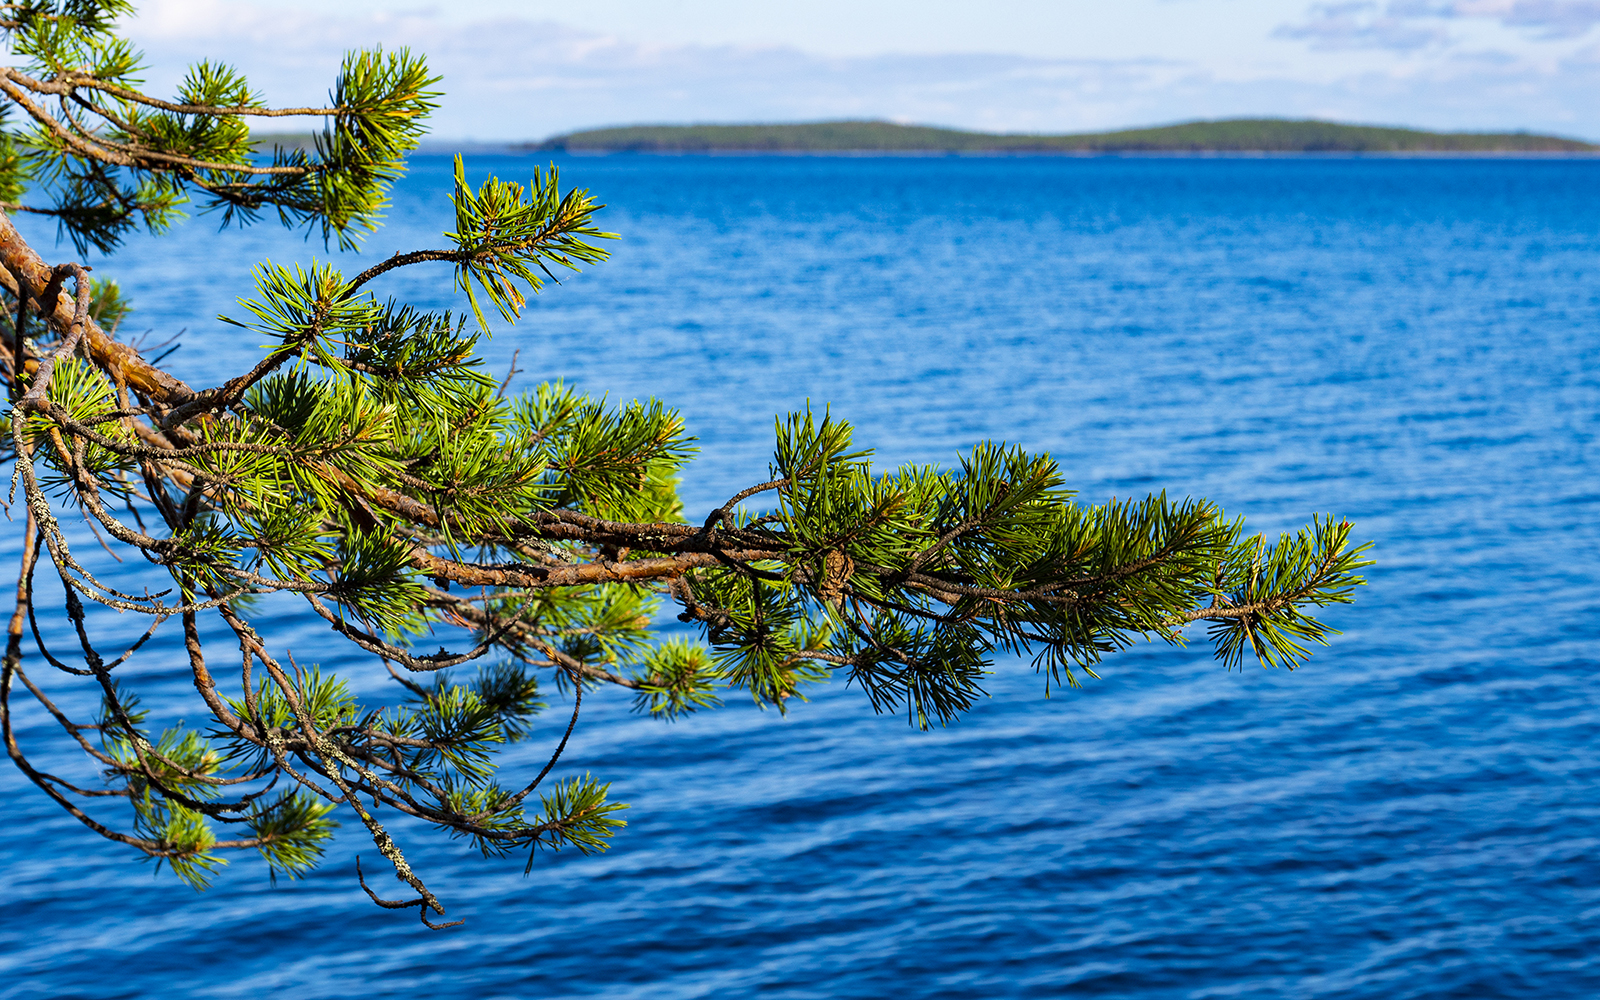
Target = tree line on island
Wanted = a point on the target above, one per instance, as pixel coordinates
(1271, 135)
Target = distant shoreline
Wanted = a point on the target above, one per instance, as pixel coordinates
(1233, 137)
(520, 150)
(1150, 154)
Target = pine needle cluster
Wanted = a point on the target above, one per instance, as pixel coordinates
(368, 465)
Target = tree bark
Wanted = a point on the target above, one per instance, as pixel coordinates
(25, 274)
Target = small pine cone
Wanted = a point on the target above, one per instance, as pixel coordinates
(836, 570)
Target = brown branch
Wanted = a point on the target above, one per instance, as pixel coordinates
(467, 611)
(524, 575)
(577, 703)
(724, 513)
(29, 277)
(71, 81)
(77, 143)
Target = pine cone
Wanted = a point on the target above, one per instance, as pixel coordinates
(836, 571)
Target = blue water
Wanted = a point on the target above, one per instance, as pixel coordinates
(1412, 344)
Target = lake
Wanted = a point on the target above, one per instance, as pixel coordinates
(1411, 343)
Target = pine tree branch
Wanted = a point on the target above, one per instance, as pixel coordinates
(365, 454)
(66, 84)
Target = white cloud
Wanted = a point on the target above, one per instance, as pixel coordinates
(517, 79)
(1551, 19)
(1335, 26)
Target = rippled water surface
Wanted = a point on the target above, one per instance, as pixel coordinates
(1408, 343)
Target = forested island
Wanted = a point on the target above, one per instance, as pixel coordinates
(1240, 135)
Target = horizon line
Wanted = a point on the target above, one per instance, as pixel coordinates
(471, 140)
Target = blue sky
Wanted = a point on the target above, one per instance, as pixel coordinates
(527, 69)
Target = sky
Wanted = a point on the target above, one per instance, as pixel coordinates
(527, 69)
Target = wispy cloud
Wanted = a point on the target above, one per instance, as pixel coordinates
(1336, 26)
(1551, 19)
(515, 79)
(519, 79)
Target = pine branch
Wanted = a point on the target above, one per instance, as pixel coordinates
(367, 465)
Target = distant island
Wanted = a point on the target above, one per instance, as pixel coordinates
(1238, 135)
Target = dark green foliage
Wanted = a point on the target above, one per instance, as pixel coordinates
(577, 814)
(617, 464)
(676, 679)
(1314, 563)
(509, 692)
(65, 35)
(325, 701)
(293, 833)
(84, 393)
(107, 306)
(376, 583)
(420, 358)
(507, 234)
(110, 158)
(16, 169)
